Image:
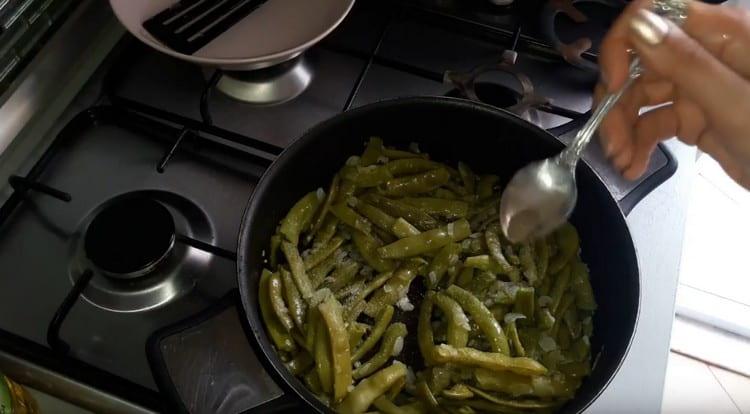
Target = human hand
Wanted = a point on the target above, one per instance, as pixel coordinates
(698, 75)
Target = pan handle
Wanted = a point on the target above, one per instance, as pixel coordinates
(206, 364)
(627, 193)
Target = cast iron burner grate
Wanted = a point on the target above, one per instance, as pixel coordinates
(130, 238)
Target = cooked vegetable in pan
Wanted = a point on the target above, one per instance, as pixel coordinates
(394, 291)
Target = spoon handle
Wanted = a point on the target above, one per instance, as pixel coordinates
(572, 154)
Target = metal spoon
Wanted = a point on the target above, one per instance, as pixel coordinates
(541, 196)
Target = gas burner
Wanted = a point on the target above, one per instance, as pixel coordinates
(132, 245)
(130, 238)
(470, 86)
(268, 86)
(573, 50)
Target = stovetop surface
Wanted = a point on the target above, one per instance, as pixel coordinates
(101, 157)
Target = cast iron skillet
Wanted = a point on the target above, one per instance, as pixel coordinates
(490, 141)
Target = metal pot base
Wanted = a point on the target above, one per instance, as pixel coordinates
(268, 86)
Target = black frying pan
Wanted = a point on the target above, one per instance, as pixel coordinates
(491, 141)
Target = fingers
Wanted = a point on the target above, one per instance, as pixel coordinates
(613, 56)
(668, 52)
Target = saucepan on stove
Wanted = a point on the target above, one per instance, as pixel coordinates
(491, 339)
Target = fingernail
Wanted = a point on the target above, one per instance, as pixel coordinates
(649, 27)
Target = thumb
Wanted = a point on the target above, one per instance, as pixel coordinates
(668, 52)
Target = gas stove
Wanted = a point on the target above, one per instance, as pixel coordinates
(124, 232)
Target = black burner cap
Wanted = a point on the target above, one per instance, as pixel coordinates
(491, 93)
(130, 236)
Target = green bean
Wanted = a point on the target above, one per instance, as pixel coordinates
(468, 177)
(565, 303)
(321, 252)
(273, 254)
(444, 194)
(369, 389)
(312, 381)
(526, 254)
(545, 287)
(495, 249)
(311, 328)
(368, 248)
(402, 228)
(319, 219)
(395, 288)
(511, 331)
(456, 188)
(416, 184)
(458, 323)
(299, 363)
(545, 319)
(377, 216)
(356, 330)
(365, 177)
(426, 241)
(520, 404)
(332, 315)
(326, 232)
(541, 248)
(343, 275)
(484, 262)
(322, 351)
(524, 303)
(424, 393)
(481, 284)
(274, 293)
(396, 208)
(276, 331)
(486, 186)
(563, 338)
(519, 385)
(424, 329)
(482, 317)
(386, 406)
(446, 354)
(318, 273)
(388, 348)
(581, 287)
(511, 255)
(458, 392)
(298, 270)
(409, 166)
(383, 320)
(299, 216)
(566, 238)
(373, 152)
(350, 290)
(581, 349)
(347, 188)
(440, 207)
(396, 389)
(398, 154)
(351, 218)
(562, 282)
(446, 257)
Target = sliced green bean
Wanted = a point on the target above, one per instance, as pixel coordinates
(273, 255)
(484, 262)
(402, 228)
(351, 218)
(373, 152)
(465, 277)
(396, 208)
(520, 404)
(561, 284)
(458, 322)
(322, 213)
(542, 251)
(300, 216)
(416, 184)
(445, 194)
(357, 331)
(370, 176)
(377, 216)
(297, 267)
(565, 303)
(482, 317)
(276, 331)
(426, 241)
(322, 356)
(468, 177)
(399, 154)
(458, 392)
(526, 254)
(524, 303)
(276, 297)
(496, 252)
(446, 354)
(409, 166)
(386, 406)
(311, 328)
(424, 393)
(389, 347)
(581, 287)
(486, 186)
(312, 381)
(447, 256)
(440, 207)
(369, 389)
(343, 275)
(395, 288)
(321, 252)
(545, 319)
(347, 188)
(511, 331)
(566, 238)
(368, 248)
(332, 314)
(425, 338)
(383, 320)
(318, 273)
(326, 232)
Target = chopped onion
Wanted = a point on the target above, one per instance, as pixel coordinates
(547, 343)
(352, 161)
(463, 321)
(475, 235)
(432, 277)
(404, 304)
(357, 364)
(449, 227)
(512, 317)
(398, 346)
(320, 193)
(586, 340)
